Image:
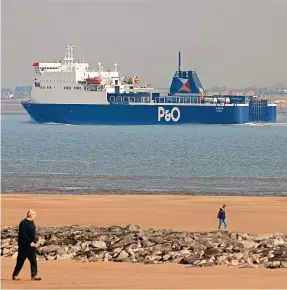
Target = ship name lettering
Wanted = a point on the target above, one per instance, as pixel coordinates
(173, 115)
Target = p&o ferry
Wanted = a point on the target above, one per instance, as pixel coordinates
(69, 92)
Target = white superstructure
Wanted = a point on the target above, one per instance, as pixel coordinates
(71, 82)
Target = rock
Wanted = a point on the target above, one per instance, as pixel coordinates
(132, 228)
(86, 244)
(73, 251)
(188, 260)
(107, 257)
(249, 244)
(263, 260)
(99, 244)
(117, 250)
(132, 244)
(122, 256)
(5, 242)
(41, 242)
(48, 249)
(270, 255)
(49, 257)
(234, 262)
(207, 264)
(213, 252)
(63, 256)
(273, 265)
(220, 260)
(279, 241)
(124, 241)
(244, 236)
(5, 251)
(185, 252)
(261, 237)
(166, 257)
(247, 265)
(94, 258)
(238, 256)
(202, 262)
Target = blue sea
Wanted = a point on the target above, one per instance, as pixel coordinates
(248, 159)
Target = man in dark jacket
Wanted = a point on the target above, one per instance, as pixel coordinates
(27, 246)
(222, 217)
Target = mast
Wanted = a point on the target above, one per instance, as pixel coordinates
(69, 55)
(179, 61)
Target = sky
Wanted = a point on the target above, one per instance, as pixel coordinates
(230, 43)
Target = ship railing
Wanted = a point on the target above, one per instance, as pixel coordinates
(127, 100)
(178, 100)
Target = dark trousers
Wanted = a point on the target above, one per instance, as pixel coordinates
(23, 254)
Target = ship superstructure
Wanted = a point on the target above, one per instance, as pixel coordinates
(71, 82)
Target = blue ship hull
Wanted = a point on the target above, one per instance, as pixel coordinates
(122, 114)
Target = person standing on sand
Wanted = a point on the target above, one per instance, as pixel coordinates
(222, 217)
(27, 246)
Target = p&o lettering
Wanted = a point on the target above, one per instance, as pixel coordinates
(173, 115)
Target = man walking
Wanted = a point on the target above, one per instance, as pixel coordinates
(222, 217)
(27, 246)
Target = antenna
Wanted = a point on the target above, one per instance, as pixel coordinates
(69, 55)
(179, 61)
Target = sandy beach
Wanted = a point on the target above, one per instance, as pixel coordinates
(245, 214)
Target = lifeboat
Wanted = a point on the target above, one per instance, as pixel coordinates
(136, 80)
(94, 81)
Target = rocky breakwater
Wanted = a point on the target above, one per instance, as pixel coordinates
(150, 246)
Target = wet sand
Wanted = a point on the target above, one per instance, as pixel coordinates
(244, 214)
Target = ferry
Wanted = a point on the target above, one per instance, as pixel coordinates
(69, 92)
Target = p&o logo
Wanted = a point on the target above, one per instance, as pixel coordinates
(173, 115)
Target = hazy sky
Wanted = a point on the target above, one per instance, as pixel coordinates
(232, 43)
